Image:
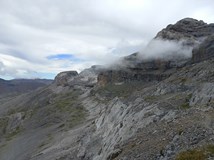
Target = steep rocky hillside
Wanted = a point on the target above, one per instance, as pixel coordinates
(156, 108)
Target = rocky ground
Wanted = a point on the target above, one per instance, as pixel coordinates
(131, 113)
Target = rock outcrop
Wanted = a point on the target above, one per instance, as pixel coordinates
(125, 76)
(63, 78)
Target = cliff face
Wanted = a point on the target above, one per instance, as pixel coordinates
(121, 76)
(204, 51)
(157, 109)
(187, 32)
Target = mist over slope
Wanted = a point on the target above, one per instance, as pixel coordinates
(155, 104)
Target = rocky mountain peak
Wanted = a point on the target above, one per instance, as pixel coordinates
(189, 30)
(180, 38)
(190, 22)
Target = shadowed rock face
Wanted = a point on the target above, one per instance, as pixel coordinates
(204, 51)
(121, 76)
(147, 71)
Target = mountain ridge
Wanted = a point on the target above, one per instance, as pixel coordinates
(136, 109)
(18, 86)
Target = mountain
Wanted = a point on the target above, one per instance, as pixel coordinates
(21, 85)
(147, 106)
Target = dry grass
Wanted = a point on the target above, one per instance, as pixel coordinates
(197, 154)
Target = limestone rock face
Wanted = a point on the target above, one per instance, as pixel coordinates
(204, 51)
(188, 33)
(135, 69)
(125, 76)
(89, 76)
(63, 78)
(191, 31)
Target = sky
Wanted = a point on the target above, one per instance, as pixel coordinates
(40, 38)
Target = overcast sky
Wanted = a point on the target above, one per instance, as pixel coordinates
(40, 38)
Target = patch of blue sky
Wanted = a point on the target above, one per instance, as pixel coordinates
(64, 56)
(6, 77)
(31, 76)
(42, 75)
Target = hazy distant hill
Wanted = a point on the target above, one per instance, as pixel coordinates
(21, 85)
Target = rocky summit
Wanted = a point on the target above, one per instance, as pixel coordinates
(156, 104)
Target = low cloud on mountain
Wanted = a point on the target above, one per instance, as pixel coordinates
(165, 49)
(32, 31)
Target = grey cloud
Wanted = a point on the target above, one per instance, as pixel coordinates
(5, 71)
(89, 29)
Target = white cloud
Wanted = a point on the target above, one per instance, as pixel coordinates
(165, 49)
(91, 30)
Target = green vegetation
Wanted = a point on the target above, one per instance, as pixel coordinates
(115, 90)
(12, 111)
(46, 142)
(191, 155)
(62, 109)
(9, 136)
(68, 105)
(77, 116)
(121, 90)
(2, 146)
(210, 149)
(162, 152)
(183, 80)
(186, 105)
(63, 102)
(3, 125)
(150, 98)
(197, 154)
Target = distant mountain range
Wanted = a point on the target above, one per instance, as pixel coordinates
(21, 85)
